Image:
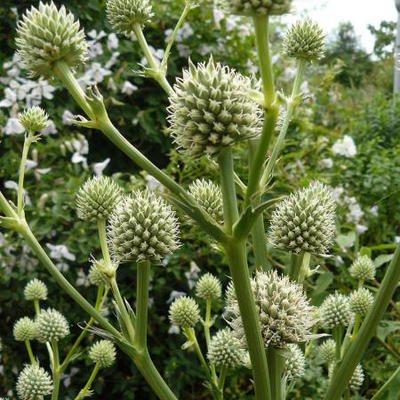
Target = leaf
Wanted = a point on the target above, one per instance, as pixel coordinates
(382, 259)
(323, 282)
(346, 241)
(385, 328)
(365, 251)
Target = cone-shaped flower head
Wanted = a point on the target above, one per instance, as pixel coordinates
(357, 378)
(33, 119)
(184, 312)
(209, 196)
(96, 275)
(210, 110)
(258, 7)
(25, 329)
(35, 290)
(285, 313)
(305, 221)
(295, 362)
(33, 383)
(363, 269)
(143, 227)
(51, 325)
(225, 350)
(327, 351)
(97, 198)
(47, 35)
(208, 287)
(361, 301)
(103, 353)
(125, 14)
(230, 296)
(335, 311)
(304, 41)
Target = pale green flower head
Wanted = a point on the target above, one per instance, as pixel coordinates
(25, 329)
(295, 362)
(361, 301)
(208, 287)
(33, 119)
(257, 7)
(103, 353)
(357, 379)
(33, 383)
(184, 312)
(335, 311)
(327, 351)
(35, 290)
(96, 275)
(51, 325)
(363, 269)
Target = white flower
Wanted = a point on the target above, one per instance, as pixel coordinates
(218, 17)
(96, 36)
(50, 128)
(157, 54)
(81, 148)
(43, 89)
(337, 193)
(67, 118)
(128, 88)
(374, 211)
(113, 59)
(361, 228)
(13, 127)
(345, 147)
(95, 74)
(82, 279)
(174, 295)
(355, 212)
(397, 239)
(112, 41)
(60, 252)
(99, 167)
(153, 184)
(10, 98)
(14, 186)
(30, 164)
(326, 163)
(174, 330)
(183, 50)
(192, 275)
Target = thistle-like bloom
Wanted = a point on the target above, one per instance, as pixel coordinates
(258, 7)
(209, 196)
(327, 351)
(143, 227)
(33, 383)
(335, 311)
(363, 269)
(51, 325)
(103, 353)
(184, 312)
(304, 41)
(305, 221)
(33, 119)
(357, 378)
(35, 290)
(24, 329)
(97, 198)
(361, 301)
(96, 275)
(225, 350)
(284, 311)
(208, 287)
(210, 109)
(125, 14)
(47, 35)
(295, 362)
(230, 296)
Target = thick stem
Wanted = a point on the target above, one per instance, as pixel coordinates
(56, 370)
(276, 365)
(294, 267)
(337, 336)
(101, 227)
(20, 194)
(84, 392)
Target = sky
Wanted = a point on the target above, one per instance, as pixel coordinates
(329, 13)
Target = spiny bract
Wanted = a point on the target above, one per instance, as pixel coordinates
(51, 325)
(361, 301)
(335, 311)
(210, 109)
(327, 351)
(305, 221)
(363, 269)
(33, 383)
(295, 362)
(143, 227)
(208, 287)
(47, 35)
(357, 378)
(25, 329)
(284, 311)
(184, 312)
(257, 7)
(33, 119)
(103, 353)
(96, 275)
(35, 290)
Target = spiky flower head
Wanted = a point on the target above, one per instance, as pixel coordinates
(96, 275)
(103, 353)
(47, 35)
(225, 350)
(304, 221)
(33, 119)
(284, 311)
(184, 312)
(97, 198)
(295, 362)
(327, 351)
(361, 301)
(125, 14)
(210, 110)
(357, 378)
(33, 383)
(304, 41)
(335, 311)
(143, 227)
(35, 289)
(257, 7)
(208, 287)
(51, 325)
(363, 269)
(230, 296)
(209, 196)
(24, 329)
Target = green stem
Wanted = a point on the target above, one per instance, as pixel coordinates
(83, 393)
(101, 227)
(56, 370)
(367, 330)
(5, 206)
(221, 382)
(357, 324)
(20, 194)
(337, 336)
(207, 322)
(382, 390)
(30, 353)
(304, 268)
(276, 365)
(37, 306)
(294, 267)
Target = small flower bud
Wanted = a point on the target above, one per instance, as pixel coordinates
(96, 275)
(335, 311)
(51, 325)
(208, 287)
(103, 353)
(258, 7)
(33, 383)
(24, 329)
(35, 290)
(184, 312)
(295, 362)
(361, 301)
(33, 119)
(357, 378)
(363, 269)
(327, 351)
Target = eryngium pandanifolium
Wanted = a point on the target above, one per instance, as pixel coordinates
(97, 198)
(24, 329)
(295, 362)
(96, 275)
(35, 289)
(327, 351)
(143, 227)
(357, 378)
(362, 269)
(257, 7)
(184, 312)
(125, 14)
(103, 353)
(304, 41)
(225, 350)
(361, 301)
(47, 35)
(209, 196)
(51, 325)
(210, 109)
(33, 119)
(208, 287)
(33, 383)
(284, 311)
(335, 311)
(304, 221)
